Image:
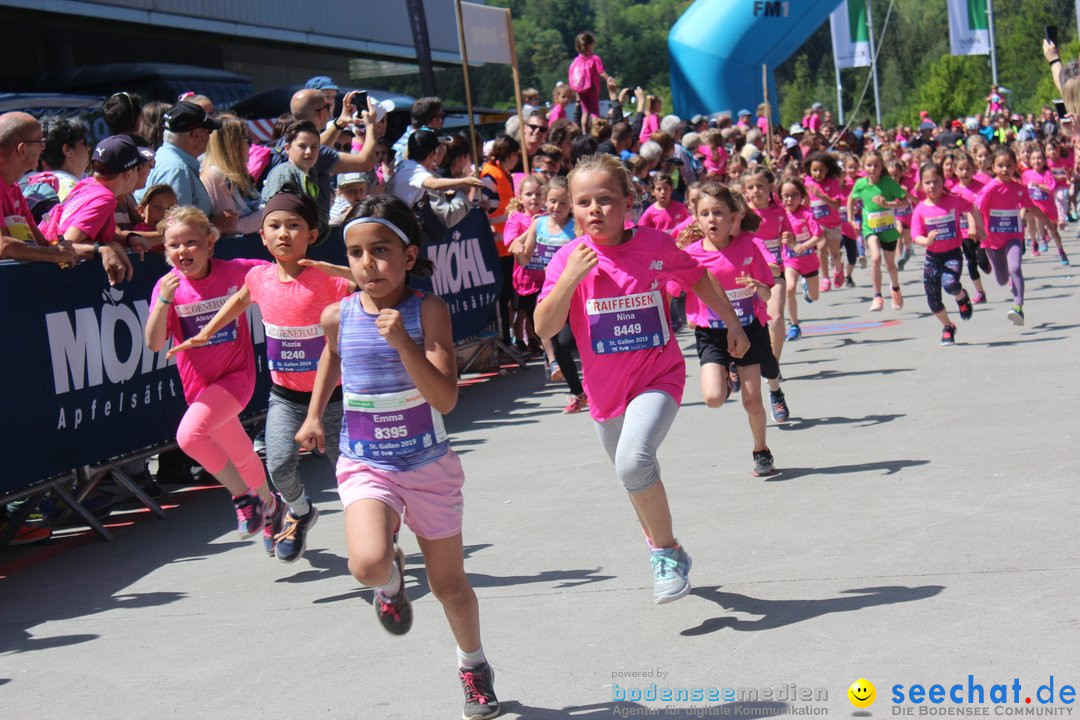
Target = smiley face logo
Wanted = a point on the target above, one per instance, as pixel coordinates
(862, 693)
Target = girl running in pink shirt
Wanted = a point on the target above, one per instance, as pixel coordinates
(1042, 185)
(968, 188)
(1062, 167)
(392, 350)
(801, 245)
(1000, 202)
(935, 224)
(218, 378)
(729, 252)
(527, 283)
(610, 284)
(534, 250)
(757, 184)
(291, 298)
(826, 196)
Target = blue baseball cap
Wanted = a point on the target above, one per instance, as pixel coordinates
(744, 112)
(321, 82)
(118, 153)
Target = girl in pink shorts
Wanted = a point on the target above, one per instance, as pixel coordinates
(801, 246)
(392, 349)
(219, 377)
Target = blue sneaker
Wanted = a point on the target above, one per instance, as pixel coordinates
(780, 412)
(275, 515)
(1064, 260)
(794, 333)
(250, 514)
(806, 292)
(292, 538)
(671, 568)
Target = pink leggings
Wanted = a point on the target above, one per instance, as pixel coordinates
(211, 433)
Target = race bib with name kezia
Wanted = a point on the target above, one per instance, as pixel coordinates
(742, 299)
(1004, 221)
(293, 349)
(627, 323)
(945, 226)
(197, 315)
(391, 425)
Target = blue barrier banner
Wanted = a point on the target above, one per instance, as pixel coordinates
(77, 383)
(78, 386)
(467, 274)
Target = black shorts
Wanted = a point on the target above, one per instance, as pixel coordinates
(526, 303)
(712, 348)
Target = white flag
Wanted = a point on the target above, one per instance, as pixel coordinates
(969, 29)
(487, 33)
(850, 41)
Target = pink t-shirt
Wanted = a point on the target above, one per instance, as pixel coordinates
(982, 177)
(774, 221)
(813, 123)
(229, 359)
(89, 207)
(595, 68)
(16, 220)
(1000, 205)
(685, 223)
(650, 125)
(1040, 187)
(664, 219)
(943, 216)
(557, 112)
(292, 317)
(526, 281)
(825, 215)
(968, 192)
(763, 124)
(1061, 168)
(715, 162)
(803, 227)
(619, 315)
(742, 256)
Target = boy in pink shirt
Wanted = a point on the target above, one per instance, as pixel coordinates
(88, 213)
(665, 214)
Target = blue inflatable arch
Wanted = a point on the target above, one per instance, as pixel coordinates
(717, 48)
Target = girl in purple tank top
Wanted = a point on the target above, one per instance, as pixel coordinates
(392, 349)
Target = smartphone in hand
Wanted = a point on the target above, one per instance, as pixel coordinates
(1051, 34)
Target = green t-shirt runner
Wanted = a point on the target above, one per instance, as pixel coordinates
(880, 219)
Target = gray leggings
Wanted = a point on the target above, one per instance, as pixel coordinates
(1006, 264)
(283, 420)
(632, 439)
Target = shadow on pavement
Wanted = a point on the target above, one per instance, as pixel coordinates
(891, 467)
(827, 374)
(633, 709)
(797, 423)
(1019, 341)
(778, 613)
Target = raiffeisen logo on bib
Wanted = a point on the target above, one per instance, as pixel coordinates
(978, 697)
